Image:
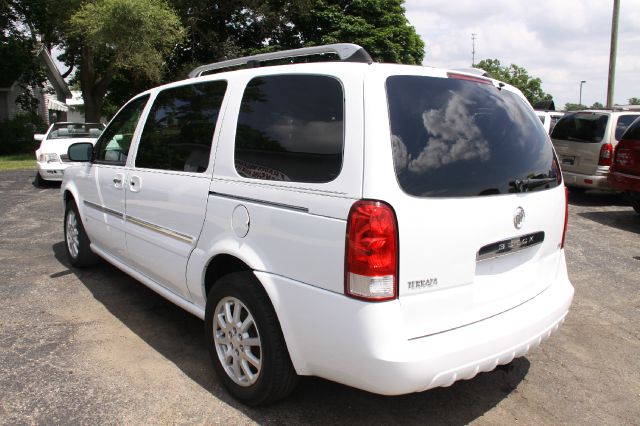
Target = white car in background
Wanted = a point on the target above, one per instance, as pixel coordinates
(549, 119)
(51, 156)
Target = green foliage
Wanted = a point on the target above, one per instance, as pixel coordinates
(380, 26)
(129, 34)
(597, 105)
(574, 107)
(16, 136)
(237, 28)
(516, 76)
(17, 162)
(634, 101)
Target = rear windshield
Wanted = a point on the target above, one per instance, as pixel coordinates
(75, 130)
(585, 127)
(633, 131)
(456, 138)
(624, 121)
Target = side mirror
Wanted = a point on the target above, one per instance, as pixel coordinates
(81, 151)
(38, 136)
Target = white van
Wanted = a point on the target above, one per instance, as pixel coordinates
(393, 228)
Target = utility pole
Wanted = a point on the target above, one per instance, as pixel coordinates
(613, 52)
(474, 36)
(581, 83)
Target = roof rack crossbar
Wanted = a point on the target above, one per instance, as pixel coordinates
(347, 52)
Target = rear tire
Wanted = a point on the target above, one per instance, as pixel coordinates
(245, 341)
(636, 206)
(76, 241)
(39, 181)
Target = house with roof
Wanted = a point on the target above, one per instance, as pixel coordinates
(52, 106)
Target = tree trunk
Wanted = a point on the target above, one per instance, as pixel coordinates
(94, 88)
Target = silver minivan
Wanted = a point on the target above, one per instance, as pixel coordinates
(585, 143)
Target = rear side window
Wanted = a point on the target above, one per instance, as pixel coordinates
(456, 138)
(179, 129)
(291, 128)
(624, 121)
(585, 127)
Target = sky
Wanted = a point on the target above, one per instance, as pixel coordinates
(562, 42)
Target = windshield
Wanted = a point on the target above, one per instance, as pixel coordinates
(623, 123)
(75, 130)
(586, 127)
(456, 138)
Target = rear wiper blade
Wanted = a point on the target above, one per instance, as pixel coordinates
(524, 185)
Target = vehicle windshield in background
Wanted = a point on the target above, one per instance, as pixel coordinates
(624, 121)
(457, 138)
(586, 127)
(75, 130)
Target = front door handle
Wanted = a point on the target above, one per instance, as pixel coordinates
(118, 180)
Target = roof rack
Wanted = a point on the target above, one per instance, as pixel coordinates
(347, 52)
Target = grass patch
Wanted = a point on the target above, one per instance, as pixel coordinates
(18, 162)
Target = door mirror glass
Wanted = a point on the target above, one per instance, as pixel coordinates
(82, 151)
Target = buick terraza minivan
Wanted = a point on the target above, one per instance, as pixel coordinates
(393, 228)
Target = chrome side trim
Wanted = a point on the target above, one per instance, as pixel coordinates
(159, 229)
(104, 209)
(164, 231)
(263, 202)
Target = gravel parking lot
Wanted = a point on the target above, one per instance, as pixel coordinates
(97, 347)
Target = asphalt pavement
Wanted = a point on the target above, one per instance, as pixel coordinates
(97, 347)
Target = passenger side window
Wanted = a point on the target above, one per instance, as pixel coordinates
(291, 128)
(113, 145)
(179, 130)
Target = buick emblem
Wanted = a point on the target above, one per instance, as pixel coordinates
(518, 218)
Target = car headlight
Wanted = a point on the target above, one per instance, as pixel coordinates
(49, 158)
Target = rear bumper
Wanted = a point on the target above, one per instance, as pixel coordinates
(52, 171)
(596, 181)
(624, 182)
(362, 345)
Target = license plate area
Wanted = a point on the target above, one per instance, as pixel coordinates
(513, 245)
(570, 161)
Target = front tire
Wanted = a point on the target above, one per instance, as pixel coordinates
(76, 240)
(636, 206)
(245, 342)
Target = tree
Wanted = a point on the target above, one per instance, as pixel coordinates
(597, 105)
(574, 107)
(230, 29)
(634, 101)
(111, 36)
(380, 26)
(517, 76)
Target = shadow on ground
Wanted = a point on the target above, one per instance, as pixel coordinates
(596, 199)
(179, 337)
(626, 220)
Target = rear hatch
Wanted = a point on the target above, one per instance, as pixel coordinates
(578, 138)
(627, 157)
(481, 207)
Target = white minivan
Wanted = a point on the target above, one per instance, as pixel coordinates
(392, 228)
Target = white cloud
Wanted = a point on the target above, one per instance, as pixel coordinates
(561, 42)
(453, 137)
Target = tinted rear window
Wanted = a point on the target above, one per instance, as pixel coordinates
(624, 121)
(455, 138)
(585, 127)
(633, 131)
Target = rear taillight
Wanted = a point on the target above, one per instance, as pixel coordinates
(566, 215)
(371, 252)
(606, 155)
